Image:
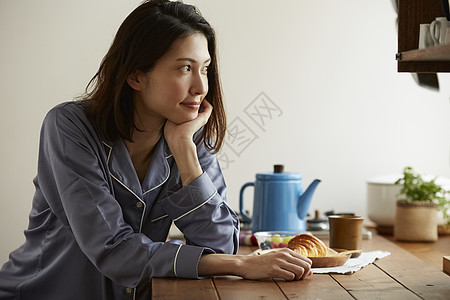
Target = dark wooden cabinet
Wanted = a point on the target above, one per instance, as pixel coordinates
(412, 13)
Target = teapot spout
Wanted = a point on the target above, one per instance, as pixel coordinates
(305, 199)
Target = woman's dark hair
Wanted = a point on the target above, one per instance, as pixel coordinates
(144, 37)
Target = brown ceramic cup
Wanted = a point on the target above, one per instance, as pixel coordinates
(346, 232)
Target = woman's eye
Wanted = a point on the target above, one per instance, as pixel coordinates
(186, 68)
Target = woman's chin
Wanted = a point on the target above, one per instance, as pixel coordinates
(181, 120)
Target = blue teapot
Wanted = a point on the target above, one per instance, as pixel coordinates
(279, 201)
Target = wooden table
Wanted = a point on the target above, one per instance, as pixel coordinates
(402, 275)
(430, 252)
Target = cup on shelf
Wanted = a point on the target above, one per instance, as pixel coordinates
(425, 39)
(439, 29)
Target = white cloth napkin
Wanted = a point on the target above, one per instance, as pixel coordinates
(353, 264)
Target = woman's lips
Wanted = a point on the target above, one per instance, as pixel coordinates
(191, 105)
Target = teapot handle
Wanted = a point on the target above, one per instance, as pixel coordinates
(241, 201)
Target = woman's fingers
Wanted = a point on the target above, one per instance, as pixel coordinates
(298, 264)
(204, 112)
(189, 128)
(179, 136)
(285, 264)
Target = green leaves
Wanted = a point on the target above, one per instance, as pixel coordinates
(415, 188)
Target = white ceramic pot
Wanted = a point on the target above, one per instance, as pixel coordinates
(382, 199)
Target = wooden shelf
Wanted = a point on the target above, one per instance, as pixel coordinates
(437, 53)
(412, 13)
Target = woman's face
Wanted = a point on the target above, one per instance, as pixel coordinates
(177, 85)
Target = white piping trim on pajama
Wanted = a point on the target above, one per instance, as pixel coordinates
(110, 150)
(175, 261)
(142, 216)
(168, 175)
(159, 218)
(133, 193)
(143, 203)
(195, 208)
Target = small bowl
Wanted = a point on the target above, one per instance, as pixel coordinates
(274, 239)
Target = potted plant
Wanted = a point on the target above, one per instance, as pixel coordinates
(416, 214)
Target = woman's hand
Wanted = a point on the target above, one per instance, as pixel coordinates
(280, 263)
(179, 137)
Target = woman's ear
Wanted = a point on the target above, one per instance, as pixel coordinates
(136, 80)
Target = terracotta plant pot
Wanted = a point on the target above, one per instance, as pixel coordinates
(416, 221)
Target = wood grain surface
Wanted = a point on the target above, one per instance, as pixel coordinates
(410, 272)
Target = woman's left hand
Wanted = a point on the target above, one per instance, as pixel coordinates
(183, 133)
(179, 137)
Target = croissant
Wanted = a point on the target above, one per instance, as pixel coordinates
(308, 245)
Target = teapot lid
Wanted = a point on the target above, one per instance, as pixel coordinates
(278, 174)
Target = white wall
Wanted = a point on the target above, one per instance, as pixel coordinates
(345, 114)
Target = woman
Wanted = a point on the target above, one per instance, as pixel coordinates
(135, 155)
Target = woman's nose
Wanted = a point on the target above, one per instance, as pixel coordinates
(199, 84)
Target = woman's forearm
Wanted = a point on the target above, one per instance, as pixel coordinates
(219, 264)
(185, 155)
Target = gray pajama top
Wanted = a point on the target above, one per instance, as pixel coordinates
(96, 232)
